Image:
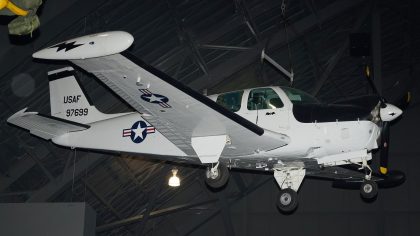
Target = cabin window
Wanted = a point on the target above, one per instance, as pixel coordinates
(263, 98)
(231, 101)
(299, 97)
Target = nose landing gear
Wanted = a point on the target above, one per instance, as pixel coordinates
(369, 188)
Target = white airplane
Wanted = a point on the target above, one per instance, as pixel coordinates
(275, 129)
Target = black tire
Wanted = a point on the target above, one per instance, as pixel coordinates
(220, 180)
(287, 200)
(369, 189)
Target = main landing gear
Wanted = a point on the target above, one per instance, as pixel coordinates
(289, 180)
(369, 188)
(287, 200)
(217, 175)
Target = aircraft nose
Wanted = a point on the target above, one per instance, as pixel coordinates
(390, 112)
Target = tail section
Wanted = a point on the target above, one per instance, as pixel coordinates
(68, 100)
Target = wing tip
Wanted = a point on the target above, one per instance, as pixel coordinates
(20, 114)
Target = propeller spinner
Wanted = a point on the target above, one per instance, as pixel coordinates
(389, 112)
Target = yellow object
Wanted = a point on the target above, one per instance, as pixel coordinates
(12, 7)
(383, 170)
(408, 97)
(367, 71)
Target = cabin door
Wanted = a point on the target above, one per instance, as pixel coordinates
(265, 108)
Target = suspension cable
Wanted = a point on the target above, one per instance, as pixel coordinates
(283, 14)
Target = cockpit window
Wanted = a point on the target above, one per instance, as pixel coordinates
(297, 96)
(263, 98)
(231, 101)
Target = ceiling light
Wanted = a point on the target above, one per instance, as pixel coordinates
(174, 180)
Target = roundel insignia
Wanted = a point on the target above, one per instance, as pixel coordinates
(154, 98)
(138, 131)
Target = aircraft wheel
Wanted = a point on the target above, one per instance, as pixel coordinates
(218, 177)
(369, 189)
(287, 200)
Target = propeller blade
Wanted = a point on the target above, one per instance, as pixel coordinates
(383, 161)
(373, 87)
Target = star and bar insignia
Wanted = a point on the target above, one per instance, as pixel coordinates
(138, 131)
(154, 98)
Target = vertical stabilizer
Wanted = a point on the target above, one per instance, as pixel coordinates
(69, 101)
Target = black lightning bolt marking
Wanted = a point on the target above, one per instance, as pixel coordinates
(66, 46)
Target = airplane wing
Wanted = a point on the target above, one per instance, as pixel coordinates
(45, 127)
(190, 120)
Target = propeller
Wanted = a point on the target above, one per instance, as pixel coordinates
(388, 113)
(383, 158)
(383, 155)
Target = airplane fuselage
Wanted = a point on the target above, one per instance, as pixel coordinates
(330, 141)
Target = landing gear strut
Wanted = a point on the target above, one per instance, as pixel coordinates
(369, 188)
(217, 175)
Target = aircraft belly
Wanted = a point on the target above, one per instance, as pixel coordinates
(313, 143)
(129, 133)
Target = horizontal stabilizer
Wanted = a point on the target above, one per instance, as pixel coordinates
(45, 127)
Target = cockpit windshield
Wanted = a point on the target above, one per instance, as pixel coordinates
(297, 96)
